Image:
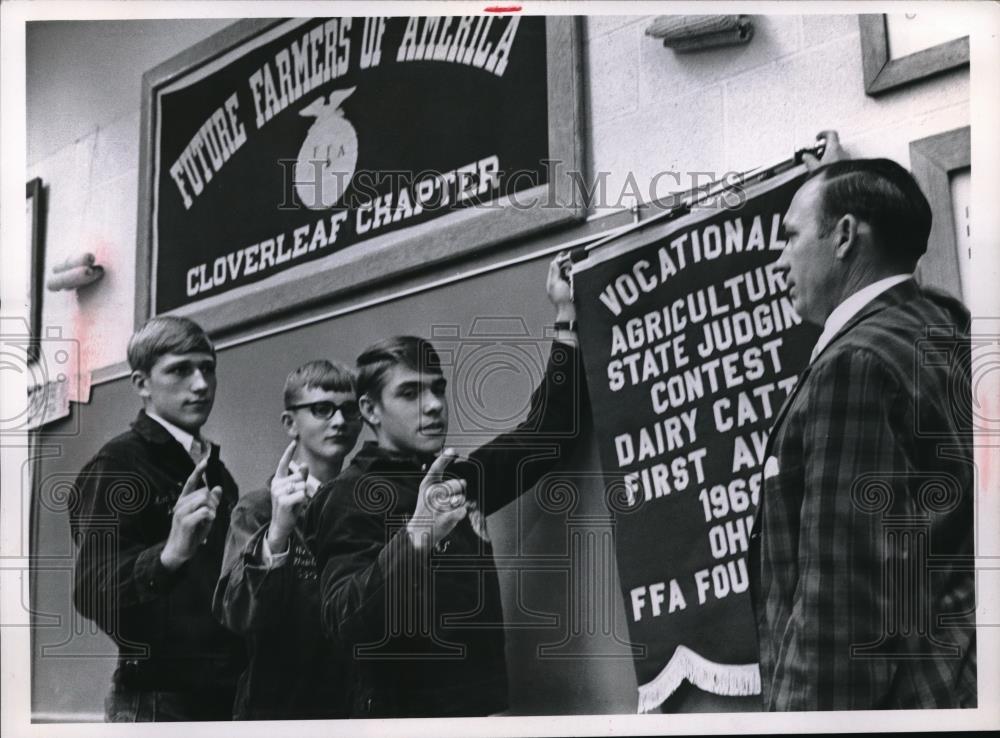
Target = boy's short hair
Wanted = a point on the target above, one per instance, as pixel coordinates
(166, 334)
(375, 362)
(331, 376)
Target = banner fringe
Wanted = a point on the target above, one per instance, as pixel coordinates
(729, 680)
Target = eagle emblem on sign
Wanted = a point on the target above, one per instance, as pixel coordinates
(329, 154)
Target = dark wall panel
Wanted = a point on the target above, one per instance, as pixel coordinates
(565, 648)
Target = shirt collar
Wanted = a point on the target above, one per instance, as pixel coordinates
(312, 484)
(180, 435)
(850, 307)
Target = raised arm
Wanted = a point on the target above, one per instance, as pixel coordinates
(512, 462)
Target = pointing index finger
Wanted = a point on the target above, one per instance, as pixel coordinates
(436, 472)
(286, 459)
(192, 481)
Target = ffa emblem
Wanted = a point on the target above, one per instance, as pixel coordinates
(329, 154)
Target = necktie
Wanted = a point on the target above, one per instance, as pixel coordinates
(198, 450)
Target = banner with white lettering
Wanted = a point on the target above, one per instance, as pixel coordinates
(690, 345)
(324, 133)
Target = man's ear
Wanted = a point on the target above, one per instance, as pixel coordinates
(370, 411)
(288, 422)
(846, 234)
(140, 383)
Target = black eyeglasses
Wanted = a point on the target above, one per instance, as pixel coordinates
(325, 409)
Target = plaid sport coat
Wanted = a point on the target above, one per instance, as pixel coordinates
(861, 556)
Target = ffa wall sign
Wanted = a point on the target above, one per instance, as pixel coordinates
(287, 162)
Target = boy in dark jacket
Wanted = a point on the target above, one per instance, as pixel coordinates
(269, 589)
(150, 519)
(409, 586)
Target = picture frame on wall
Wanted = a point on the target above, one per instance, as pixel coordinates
(934, 161)
(285, 163)
(891, 64)
(35, 203)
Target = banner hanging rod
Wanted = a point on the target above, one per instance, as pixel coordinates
(701, 194)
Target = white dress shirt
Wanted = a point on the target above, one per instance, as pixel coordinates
(182, 436)
(850, 307)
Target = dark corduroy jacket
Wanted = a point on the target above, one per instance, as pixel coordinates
(425, 629)
(293, 672)
(161, 621)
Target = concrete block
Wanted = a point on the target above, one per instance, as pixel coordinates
(783, 106)
(894, 142)
(598, 25)
(665, 74)
(106, 308)
(63, 222)
(65, 173)
(612, 63)
(659, 150)
(117, 148)
(59, 311)
(818, 29)
(760, 118)
(828, 88)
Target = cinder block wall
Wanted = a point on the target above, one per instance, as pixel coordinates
(656, 122)
(84, 82)
(651, 110)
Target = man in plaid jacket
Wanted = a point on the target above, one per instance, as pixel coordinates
(863, 582)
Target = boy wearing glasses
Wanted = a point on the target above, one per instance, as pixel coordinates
(269, 590)
(149, 518)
